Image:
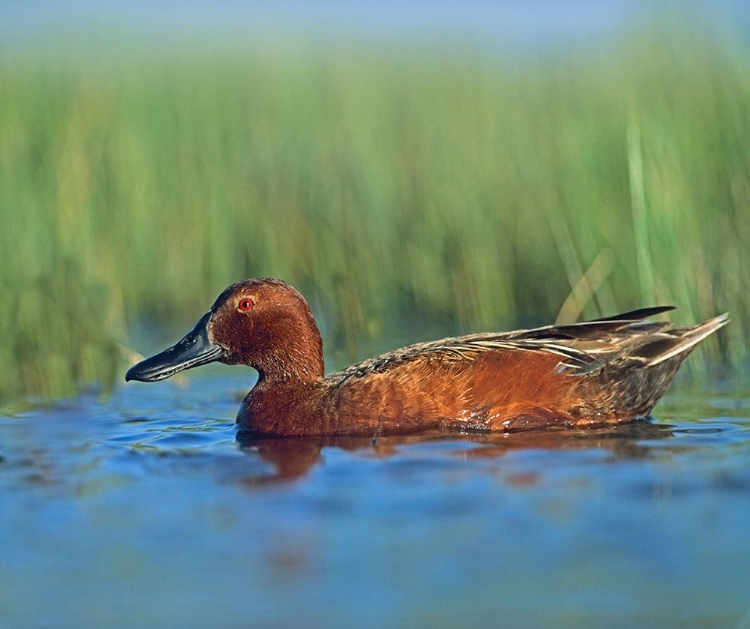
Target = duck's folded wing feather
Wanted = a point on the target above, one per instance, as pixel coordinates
(581, 346)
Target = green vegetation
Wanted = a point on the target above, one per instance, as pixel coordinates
(467, 188)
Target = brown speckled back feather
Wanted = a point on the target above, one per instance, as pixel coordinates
(589, 373)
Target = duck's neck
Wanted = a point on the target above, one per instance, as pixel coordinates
(289, 361)
(285, 399)
(295, 354)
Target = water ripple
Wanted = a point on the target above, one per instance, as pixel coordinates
(135, 495)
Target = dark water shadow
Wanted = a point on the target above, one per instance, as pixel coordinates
(294, 457)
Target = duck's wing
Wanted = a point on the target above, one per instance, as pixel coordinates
(626, 337)
(581, 347)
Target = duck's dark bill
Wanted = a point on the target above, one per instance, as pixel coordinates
(196, 348)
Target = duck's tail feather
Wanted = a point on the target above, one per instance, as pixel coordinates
(678, 341)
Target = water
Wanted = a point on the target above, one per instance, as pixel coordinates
(149, 511)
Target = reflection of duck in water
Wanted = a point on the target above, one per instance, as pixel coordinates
(293, 458)
(589, 374)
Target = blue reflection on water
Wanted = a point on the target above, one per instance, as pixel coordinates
(149, 510)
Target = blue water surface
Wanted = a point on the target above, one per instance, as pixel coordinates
(149, 510)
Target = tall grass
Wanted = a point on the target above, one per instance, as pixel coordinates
(459, 187)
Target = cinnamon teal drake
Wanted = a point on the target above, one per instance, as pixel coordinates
(587, 374)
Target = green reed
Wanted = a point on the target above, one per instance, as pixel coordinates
(465, 188)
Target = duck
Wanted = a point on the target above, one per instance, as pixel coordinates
(582, 375)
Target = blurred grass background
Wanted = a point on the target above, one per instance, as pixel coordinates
(442, 184)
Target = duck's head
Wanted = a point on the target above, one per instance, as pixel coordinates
(263, 323)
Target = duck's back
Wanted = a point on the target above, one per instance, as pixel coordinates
(591, 373)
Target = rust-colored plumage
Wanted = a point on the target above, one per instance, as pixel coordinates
(592, 373)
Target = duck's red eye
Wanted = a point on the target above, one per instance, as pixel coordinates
(246, 304)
